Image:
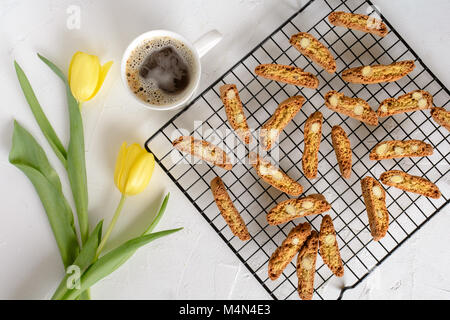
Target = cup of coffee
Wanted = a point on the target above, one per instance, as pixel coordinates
(161, 69)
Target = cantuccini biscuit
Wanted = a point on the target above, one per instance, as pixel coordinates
(203, 150)
(285, 112)
(235, 112)
(288, 249)
(353, 107)
(400, 149)
(314, 49)
(306, 266)
(410, 183)
(274, 176)
(287, 74)
(328, 247)
(227, 210)
(312, 137)
(359, 22)
(375, 201)
(295, 208)
(378, 73)
(341, 145)
(441, 116)
(413, 101)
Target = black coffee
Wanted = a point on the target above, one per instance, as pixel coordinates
(159, 71)
(168, 69)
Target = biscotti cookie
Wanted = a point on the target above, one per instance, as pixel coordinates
(410, 183)
(295, 208)
(312, 137)
(306, 267)
(341, 145)
(235, 112)
(413, 101)
(274, 176)
(288, 249)
(313, 49)
(441, 116)
(287, 74)
(328, 247)
(285, 112)
(400, 149)
(228, 211)
(359, 22)
(375, 201)
(203, 150)
(353, 107)
(378, 73)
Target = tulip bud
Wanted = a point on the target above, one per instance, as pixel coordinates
(134, 168)
(86, 75)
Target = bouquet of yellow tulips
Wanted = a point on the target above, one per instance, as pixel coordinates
(81, 251)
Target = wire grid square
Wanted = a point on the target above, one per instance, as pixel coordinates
(205, 117)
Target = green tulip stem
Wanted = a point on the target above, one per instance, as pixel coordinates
(111, 226)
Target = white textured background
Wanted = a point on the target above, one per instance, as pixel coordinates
(195, 263)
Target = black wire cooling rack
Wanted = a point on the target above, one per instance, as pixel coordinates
(205, 118)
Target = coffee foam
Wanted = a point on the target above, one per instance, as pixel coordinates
(147, 89)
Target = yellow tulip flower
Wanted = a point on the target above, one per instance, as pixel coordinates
(134, 168)
(86, 75)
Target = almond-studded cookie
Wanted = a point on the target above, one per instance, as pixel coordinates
(441, 116)
(288, 249)
(328, 247)
(359, 22)
(235, 112)
(375, 201)
(295, 208)
(341, 145)
(400, 149)
(353, 107)
(204, 150)
(228, 210)
(285, 112)
(274, 176)
(309, 46)
(378, 73)
(410, 183)
(312, 137)
(306, 267)
(287, 74)
(413, 101)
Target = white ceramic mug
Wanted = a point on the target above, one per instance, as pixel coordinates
(199, 48)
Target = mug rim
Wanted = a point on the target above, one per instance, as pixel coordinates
(153, 34)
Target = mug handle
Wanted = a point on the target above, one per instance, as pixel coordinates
(207, 42)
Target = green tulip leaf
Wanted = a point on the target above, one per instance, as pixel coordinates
(76, 163)
(152, 225)
(108, 263)
(40, 116)
(52, 66)
(27, 155)
(26, 150)
(158, 217)
(84, 259)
